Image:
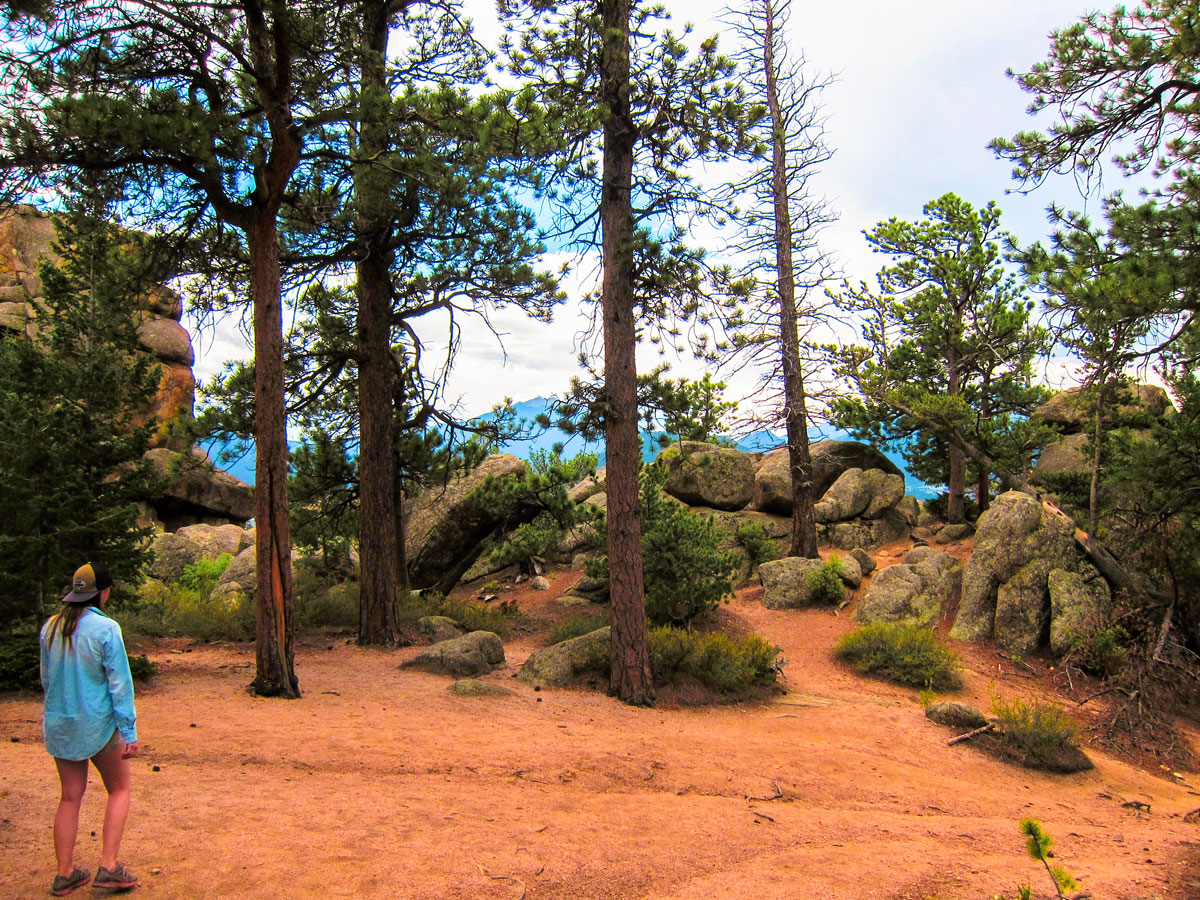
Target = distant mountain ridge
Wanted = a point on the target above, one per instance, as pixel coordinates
(756, 442)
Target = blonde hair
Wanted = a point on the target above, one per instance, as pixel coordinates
(66, 620)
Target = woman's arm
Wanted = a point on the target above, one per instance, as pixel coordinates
(120, 684)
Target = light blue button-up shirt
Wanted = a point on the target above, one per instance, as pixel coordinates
(89, 690)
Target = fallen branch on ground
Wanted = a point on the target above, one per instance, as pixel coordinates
(990, 726)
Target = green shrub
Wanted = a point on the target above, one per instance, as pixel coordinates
(1039, 730)
(142, 668)
(714, 659)
(162, 610)
(1071, 488)
(202, 576)
(324, 596)
(472, 616)
(20, 664)
(759, 547)
(575, 627)
(826, 583)
(1102, 652)
(728, 663)
(335, 607)
(902, 653)
(684, 570)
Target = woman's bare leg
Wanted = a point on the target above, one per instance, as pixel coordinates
(114, 770)
(72, 775)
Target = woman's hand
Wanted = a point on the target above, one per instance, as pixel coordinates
(131, 750)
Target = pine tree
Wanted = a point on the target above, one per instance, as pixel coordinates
(779, 227)
(72, 425)
(948, 338)
(204, 111)
(645, 107)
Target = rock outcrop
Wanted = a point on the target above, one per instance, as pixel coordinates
(476, 653)
(708, 475)
(786, 582)
(446, 528)
(26, 240)
(1069, 411)
(195, 491)
(556, 666)
(916, 591)
(773, 485)
(1005, 588)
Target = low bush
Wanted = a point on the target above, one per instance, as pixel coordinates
(324, 596)
(902, 653)
(20, 664)
(722, 661)
(826, 583)
(1039, 734)
(162, 610)
(1100, 652)
(498, 619)
(575, 627)
(202, 576)
(714, 659)
(758, 546)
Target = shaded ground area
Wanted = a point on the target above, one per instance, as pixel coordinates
(380, 784)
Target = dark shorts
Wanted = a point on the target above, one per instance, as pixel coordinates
(114, 741)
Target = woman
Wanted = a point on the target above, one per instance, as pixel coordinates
(89, 715)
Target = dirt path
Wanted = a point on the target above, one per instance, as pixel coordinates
(381, 784)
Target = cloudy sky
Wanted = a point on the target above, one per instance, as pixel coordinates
(919, 91)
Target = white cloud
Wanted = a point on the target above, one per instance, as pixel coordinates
(920, 90)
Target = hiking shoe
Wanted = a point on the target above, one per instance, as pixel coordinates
(118, 879)
(64, 884)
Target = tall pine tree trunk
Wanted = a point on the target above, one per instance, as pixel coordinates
(274, 663)
(271, 52)
(630, 654)
(378, 622)
(804, 522)
(956, 484)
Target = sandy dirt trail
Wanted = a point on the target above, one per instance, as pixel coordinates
(381, 784)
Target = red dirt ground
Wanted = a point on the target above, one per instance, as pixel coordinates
(381, 784)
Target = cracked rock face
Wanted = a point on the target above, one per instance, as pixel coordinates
(1005, 589)
(26, 239)
(915, 591)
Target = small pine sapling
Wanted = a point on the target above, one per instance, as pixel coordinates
(1038, 844)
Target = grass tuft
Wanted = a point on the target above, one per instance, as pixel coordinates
(902, 653)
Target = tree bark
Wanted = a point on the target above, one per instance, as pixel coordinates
(630, 660)
(271, 53)
(804, 522)
(956, 484)
(378, 615)
(274, 661)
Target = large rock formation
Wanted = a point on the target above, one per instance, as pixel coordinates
(708, 475)
(26, 239)
(915, 591)
(1006, 585)
(1070, 412)
(195, 492)
(773, 485)
(446, 528)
